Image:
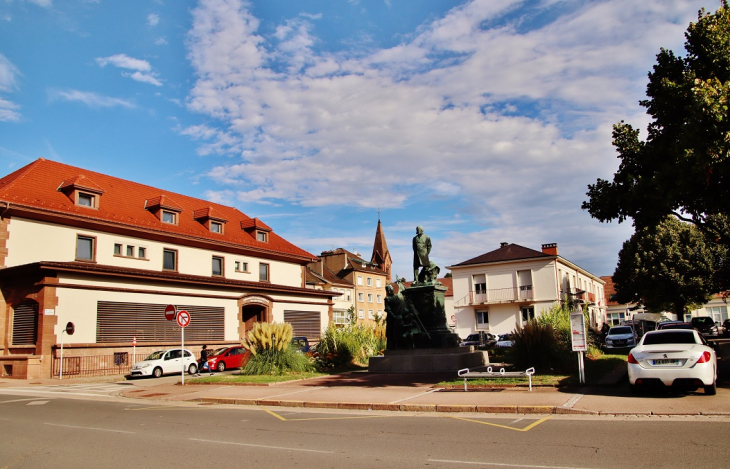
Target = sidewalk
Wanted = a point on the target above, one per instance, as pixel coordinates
(417, 393)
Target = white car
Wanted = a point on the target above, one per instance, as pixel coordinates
(674, 357)
(164, 362)
(621, 337)
(505, 340)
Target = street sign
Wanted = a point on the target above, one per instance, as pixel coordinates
(183, 318)
(134, 340)
(70, 328)
(170, 312)
(578, 332)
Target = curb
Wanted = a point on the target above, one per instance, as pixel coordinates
(445, 408)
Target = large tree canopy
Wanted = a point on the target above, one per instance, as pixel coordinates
(683, 167)
(667, 268)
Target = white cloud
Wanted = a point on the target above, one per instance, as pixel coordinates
(153, 19)
(89, 98)
(9, 111)
(41, 3)
(142, 69)
(509, 120)
(8, 83)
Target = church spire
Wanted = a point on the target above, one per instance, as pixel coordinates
(381, 255)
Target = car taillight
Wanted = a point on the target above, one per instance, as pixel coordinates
(705, 358)
(631, 359)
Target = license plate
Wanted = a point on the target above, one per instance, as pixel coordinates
(664, 361)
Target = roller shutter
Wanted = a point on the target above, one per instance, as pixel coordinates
(25, 323)
(305, 323)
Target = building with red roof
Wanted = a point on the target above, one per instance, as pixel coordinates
(500, 289)
(109, 255)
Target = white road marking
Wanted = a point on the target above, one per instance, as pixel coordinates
(413, 397)
(38, 403)
(262, 446)
(19, 400)
(572, 401)
(88, 428)
(483, 463)
(518, 420)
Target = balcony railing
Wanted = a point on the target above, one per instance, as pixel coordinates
(498, 295)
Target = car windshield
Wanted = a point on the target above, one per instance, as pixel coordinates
(670, 337)
(703, 321)
(472, 337)
(217, 351)
(505, 337)
(619, 330)
(155, 355)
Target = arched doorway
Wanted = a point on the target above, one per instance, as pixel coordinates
(251, 314)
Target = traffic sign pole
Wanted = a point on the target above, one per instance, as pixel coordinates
(183, 319)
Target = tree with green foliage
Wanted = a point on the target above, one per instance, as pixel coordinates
(666, 268)
(683, 167)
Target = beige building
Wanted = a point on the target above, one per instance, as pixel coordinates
(108, 255)
(500, 289)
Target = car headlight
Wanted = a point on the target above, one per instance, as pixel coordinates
(146, 365)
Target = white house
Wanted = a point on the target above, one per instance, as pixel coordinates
(108, 255)
(511, 285)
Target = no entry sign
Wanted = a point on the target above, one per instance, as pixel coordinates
(170, 312)
(183, 318)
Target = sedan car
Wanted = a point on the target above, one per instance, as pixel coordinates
(674, 357)
(505, 340)
(229, 357)
(164, 362)
(480, 340)
(705, 325)
(621, 337)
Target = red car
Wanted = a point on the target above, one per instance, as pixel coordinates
(230, 357)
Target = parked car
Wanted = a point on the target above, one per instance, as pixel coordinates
(505, 340)
(621, 337)
(674, 357)
(229, 357)
(164, 362)
(705, 325)
(480, 340)
(300, 343)
(674, 325)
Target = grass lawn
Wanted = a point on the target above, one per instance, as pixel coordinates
(595, 370)
(253, 379)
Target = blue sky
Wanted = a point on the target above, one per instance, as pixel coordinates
(483, 121)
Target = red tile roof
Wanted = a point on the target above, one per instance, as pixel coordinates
(507, 252)
(35, 188)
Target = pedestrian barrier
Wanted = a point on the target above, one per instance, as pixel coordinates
(489, 374)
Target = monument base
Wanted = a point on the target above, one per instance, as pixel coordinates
(434, 359)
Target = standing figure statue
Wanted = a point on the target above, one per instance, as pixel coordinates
(402, 324)
(421, 250)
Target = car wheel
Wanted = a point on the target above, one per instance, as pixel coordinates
(711, 390)
(192, 369)
(157, 372)
(221, 367)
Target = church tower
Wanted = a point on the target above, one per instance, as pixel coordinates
(381, 255)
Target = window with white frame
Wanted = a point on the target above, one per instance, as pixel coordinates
(614, 319)
(378, 283)
(371, 314)
(370, 297)
(360, 297)
(370, 281)
(380, 298)
(482, 317)
(361, 313)
(718, 313)
(169, 217)
(359, 279)
(339, 317)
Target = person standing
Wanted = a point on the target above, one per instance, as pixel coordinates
(204, 361)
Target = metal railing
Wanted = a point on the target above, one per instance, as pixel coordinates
(501, 295)
(119, 363)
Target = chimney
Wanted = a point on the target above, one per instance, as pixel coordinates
(503, 244)
(551, 249)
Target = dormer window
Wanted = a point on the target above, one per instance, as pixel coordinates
(257, 229)
(82, 191)
(165, 209)
(211, 219)
(262, 236)
(169, 217)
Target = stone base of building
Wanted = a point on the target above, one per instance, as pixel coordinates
(422, 360)
(20, 366)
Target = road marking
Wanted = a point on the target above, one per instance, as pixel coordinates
(87, 428)
(283, 419)
(572, 401)
(19, 400)
(294, 392)
(413, 397)
(38, 403)
(527, 428)
(482, 463)
(262, 446)
(518, 420)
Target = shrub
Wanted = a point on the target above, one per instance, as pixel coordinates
(278, 362)
(269, 336)
(354, 343)
(535, 345)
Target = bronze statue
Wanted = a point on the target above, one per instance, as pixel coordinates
(421, 250)
(402, 324)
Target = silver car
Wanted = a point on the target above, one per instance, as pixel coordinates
(621, 337)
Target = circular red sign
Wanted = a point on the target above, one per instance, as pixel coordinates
(170, 312)
(183, 318)
(134, 341)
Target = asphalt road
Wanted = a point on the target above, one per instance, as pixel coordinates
(65, 433)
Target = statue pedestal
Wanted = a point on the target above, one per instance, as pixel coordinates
(431, 359)
(429, 301)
